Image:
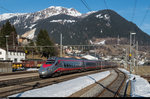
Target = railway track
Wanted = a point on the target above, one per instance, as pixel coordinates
(116, 88)
(17, 72)
(24, 86)
(9, 79)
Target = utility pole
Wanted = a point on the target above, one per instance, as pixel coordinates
(130, 52)
(118, 40)
(126, 65)
(18, 37)
(137, 56)
(95, 50)
(61, 45)
(13, 41)
(130, 55)
(6, 46)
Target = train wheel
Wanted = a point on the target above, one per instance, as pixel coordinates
(55, 75)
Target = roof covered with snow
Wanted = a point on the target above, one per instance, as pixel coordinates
(89, 57)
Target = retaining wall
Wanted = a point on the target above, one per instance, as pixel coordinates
(5, 66)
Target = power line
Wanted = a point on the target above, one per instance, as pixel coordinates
(145, 16)
(86, 5)
(105, 4)
(6, 9)
(133, 14)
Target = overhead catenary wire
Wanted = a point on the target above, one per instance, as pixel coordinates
(107, 10)
(6, 9)
(106, 4)
(134, 9)
(86, 5)
(145, 16)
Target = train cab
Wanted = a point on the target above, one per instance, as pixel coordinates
(47, 68)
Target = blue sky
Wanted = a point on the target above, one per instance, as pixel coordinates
(123, 7)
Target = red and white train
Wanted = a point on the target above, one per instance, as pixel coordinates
(58, 65)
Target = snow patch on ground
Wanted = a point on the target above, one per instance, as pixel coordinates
(99, 16)
(29, 34)
(140, 87)
(63, 21)
(64, 89)
(32, 69)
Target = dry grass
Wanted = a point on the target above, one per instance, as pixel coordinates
(140, 70)
(35, 57)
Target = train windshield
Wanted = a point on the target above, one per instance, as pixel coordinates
(50, 61)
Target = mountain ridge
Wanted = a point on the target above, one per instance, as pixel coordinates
(80, 27)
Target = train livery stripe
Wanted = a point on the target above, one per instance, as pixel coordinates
(67, 69)
(47, 65)
(71, 60)
(78, 60)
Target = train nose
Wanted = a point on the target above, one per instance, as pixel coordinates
(42, 72)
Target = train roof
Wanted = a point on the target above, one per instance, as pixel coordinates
(63, 58)
(54, 58)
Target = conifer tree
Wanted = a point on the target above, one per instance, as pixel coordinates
(8, 29)
(43, 39)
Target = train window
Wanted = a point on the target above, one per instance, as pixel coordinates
(15, 59)
(56, 64)
(50, 62)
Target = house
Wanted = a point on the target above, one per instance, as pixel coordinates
(13, 55)
(23, 41)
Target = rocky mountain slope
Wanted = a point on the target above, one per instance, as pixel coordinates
(75, 27)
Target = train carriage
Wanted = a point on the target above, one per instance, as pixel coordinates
(57, 65)
(33, 63)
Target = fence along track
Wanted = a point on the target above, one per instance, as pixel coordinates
(114, 88)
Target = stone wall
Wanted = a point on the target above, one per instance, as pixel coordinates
(5, 66)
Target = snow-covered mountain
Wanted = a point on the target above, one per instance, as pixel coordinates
(6, 16)
(27, 21)
(48, 12)
(73, 25)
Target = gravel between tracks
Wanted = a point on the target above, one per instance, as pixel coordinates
(96, 88)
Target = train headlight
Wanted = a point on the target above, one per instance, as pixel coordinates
(42, 72)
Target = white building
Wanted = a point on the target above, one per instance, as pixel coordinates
(12, 55)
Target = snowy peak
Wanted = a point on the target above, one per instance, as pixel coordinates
(43, 14)
(6, 16)
(55, 10)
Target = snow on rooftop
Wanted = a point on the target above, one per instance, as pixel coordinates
(140, 87)
(64, 89)
(29, 34)
(101, 43)
(89, 57)
(98, 43)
